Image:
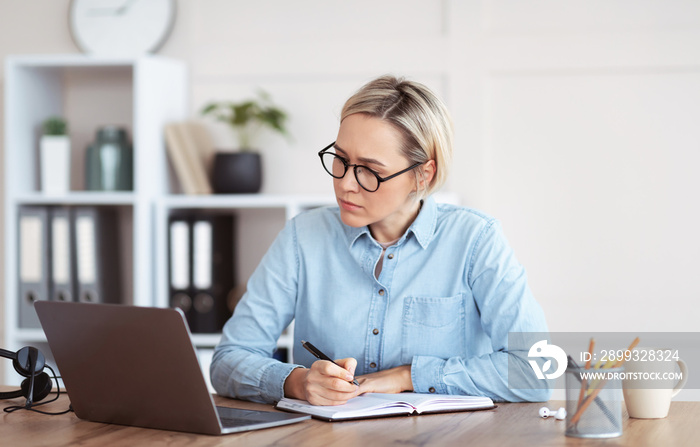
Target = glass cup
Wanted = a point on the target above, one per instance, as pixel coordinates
(594, 402)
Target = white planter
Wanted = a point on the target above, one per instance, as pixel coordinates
(55, 164)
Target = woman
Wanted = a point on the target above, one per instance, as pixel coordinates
(411, 295)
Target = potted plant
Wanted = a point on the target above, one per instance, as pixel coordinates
(55, 156)
(241, 172)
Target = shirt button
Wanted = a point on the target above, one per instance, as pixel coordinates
(381, 292)
(431, 389)
(391, 256)
(375, 331)
(372, 365)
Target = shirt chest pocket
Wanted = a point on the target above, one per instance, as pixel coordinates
(433, 326)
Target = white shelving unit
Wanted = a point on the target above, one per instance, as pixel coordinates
(140, 94)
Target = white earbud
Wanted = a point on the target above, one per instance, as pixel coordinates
(560, 414)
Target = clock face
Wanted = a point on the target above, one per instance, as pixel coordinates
(121, 27)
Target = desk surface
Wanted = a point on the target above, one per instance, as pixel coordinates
(509, 424)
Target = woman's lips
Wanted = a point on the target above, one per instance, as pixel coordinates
(349, 206)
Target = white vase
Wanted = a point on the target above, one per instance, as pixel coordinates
(55, 164)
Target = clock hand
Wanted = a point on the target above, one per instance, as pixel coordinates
(111, 11)
(122, 9)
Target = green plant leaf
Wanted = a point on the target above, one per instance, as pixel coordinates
(247, 116)
(55, 125)
(209, 108)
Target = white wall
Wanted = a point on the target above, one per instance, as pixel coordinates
(586, 135)
(576, 122)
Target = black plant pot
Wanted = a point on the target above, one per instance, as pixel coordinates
(237, 172)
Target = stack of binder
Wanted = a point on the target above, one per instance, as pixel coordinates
(66, 254)
(201, 269)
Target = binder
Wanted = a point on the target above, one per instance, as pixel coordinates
(212, 271)
(97, 255)
(201, 269)
(62, 281)
(179, 266)
(33, 261)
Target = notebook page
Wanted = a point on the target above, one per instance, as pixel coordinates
(432, 402)
(365, 405)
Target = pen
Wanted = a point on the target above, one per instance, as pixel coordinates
(321, 356)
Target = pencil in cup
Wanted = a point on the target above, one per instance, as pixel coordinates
(587, 401)
(584, 383)
(604, 408)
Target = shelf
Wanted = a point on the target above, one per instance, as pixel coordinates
(265, 200)
(286, 340)
(205, 340)
(30, 335)
(246, 201)
(78, 60)
(78, 198)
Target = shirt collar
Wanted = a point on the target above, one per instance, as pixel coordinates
(423, 227)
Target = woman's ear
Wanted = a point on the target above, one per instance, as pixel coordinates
(428, 172)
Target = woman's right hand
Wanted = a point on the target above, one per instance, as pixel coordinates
(324, 383)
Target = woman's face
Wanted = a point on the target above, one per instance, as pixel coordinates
(371, 142)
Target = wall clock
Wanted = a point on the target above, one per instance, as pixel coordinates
(121, 27)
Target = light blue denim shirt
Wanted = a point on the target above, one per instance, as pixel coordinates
(449, 292)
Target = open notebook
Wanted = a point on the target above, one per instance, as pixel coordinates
(372, 405)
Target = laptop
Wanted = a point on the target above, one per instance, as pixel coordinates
(137, 366)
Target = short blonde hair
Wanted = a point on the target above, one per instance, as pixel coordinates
(417, 113)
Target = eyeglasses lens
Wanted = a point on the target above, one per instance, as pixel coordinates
(337, 168)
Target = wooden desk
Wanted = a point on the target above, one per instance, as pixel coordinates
(509, 424)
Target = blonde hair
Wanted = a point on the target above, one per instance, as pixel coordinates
(418, 114)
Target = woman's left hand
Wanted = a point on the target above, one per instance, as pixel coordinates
(394, 380)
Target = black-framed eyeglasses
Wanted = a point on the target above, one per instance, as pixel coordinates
(369, 180)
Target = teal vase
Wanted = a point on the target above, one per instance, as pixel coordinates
(109, 161)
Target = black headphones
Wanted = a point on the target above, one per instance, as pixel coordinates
(29, 362)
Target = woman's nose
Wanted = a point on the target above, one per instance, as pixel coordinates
(349, 182)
